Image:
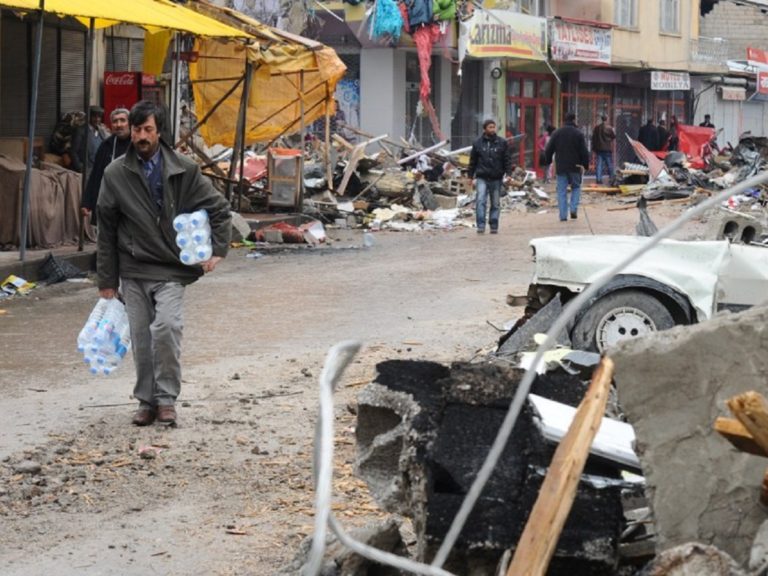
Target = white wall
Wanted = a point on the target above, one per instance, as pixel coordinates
(443, 105)
(382, 92)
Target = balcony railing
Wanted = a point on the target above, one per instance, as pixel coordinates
(709, 50)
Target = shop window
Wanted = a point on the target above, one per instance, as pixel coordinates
(670, 16)
(528, 88)
(545, 89)
(625, 13)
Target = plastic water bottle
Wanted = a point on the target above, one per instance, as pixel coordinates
(201, 235)
(105, 339)
(187, 256)
(89, 329)
(184, 239)
(368, 239)
(181, 222)
(203, 252)
(193, 237)
(198, 219)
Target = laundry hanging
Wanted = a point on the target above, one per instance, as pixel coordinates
(387, 22)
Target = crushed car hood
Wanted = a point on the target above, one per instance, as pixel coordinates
(708, 272)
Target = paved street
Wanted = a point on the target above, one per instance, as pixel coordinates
(229, 491)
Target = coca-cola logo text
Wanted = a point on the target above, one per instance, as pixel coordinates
(120, 80)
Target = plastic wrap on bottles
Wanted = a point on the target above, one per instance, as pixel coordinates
(105, 338)
(193, 237)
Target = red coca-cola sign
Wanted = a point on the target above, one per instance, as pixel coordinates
(119, 79)
(121, 90)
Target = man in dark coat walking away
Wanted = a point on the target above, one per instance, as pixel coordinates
(141, 193)
(489, 161)
(649, 136)
(569, 149)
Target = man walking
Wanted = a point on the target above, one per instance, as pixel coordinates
(569, 148)
(141, 193)
(489, 161)
(603, 136)
(113, 147)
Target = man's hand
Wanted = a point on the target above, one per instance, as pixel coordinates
(107, 293)
(210, 264)
(85, 211)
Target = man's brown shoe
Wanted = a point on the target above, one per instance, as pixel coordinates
(144, 417)
(166, 414)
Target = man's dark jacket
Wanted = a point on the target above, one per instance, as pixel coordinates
(569, 147)
(649, 137)
(111, 149)
(490, 158)
(136, 238)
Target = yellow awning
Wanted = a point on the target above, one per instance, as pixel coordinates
(280, 61)
(146, 13)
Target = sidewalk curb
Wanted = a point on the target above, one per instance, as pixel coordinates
(30, 268)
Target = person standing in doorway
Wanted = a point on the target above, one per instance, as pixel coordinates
(141, 193)
(603, 136)
(663, 134)
(568, 148)
(707, 122)
(649, 135)
(113, 147)
(489, 162)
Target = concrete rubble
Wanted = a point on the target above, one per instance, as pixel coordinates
(423, 432)
(672, 386)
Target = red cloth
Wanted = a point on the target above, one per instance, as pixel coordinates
(425, 37)
(694, 140)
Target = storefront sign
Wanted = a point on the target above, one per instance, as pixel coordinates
(502, 34)
(757, 57)
(578, 43)
(733, 93)
(670, 80)
(762, 83)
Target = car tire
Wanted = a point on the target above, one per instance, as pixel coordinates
(619, 316)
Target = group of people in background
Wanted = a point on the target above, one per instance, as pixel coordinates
(562, 151)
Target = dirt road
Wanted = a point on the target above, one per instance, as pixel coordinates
(229, 491)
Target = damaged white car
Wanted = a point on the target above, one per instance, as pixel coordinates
(677, 282)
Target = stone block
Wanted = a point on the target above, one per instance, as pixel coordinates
(672, 386)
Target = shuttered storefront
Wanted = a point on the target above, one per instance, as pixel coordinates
(62, 74)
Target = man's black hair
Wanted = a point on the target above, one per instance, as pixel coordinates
(488, 121)
(142, 110)
(570, 117)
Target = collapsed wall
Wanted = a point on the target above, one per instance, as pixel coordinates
(672, 386)
(423, 432)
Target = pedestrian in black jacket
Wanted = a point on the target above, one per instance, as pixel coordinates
(569, 149)
(489, 161)
(649, 136)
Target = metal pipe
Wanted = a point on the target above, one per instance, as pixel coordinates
(420, 152)
(86, 165)
(246, 93)
(31, 135)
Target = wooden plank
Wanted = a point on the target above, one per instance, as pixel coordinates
(542, 531)
(734, 431)
(751, 410)
(606, 189)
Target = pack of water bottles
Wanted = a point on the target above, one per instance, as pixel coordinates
(193, 237)
(106, 338)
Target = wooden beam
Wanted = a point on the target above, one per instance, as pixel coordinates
(734, 431)
(751, 410)
(557, 493)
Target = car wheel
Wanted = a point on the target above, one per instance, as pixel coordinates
(619, 316)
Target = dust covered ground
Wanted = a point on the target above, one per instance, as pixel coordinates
(229, 491)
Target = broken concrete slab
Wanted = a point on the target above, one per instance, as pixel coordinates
(240, 227)
(341, 561)
(421, 453)
(672, 386)
(693, 559)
